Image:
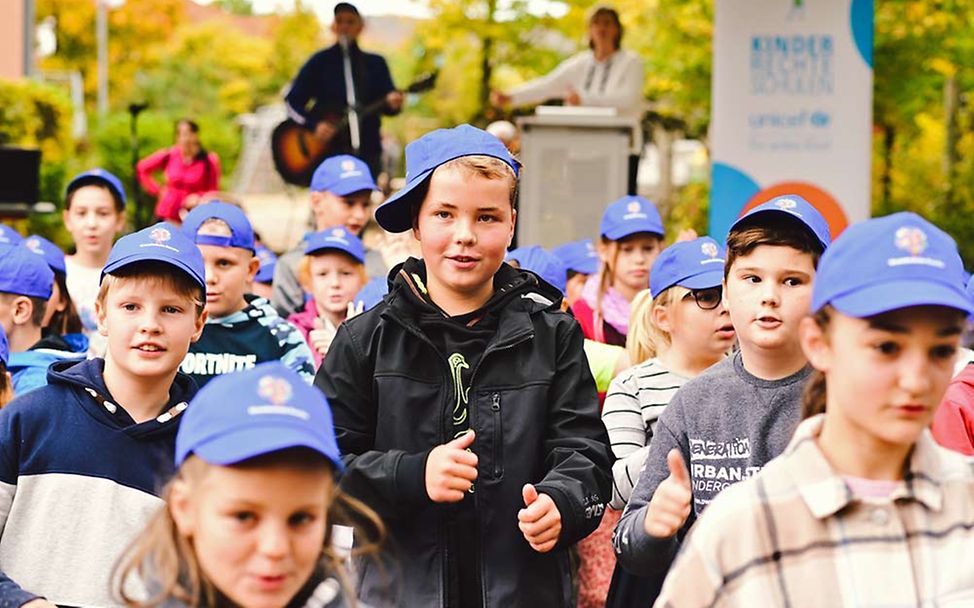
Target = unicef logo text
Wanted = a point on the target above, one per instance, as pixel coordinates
(816, 119)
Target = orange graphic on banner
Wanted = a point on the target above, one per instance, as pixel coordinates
(822, 200)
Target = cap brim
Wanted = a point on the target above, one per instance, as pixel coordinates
(589, 266)
(393, 215)
(629, 230)
(244, 444)
(346, 189)
(172, 261)
(884, 297)
(704, 280)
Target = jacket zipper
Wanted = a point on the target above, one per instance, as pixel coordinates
(495, 408)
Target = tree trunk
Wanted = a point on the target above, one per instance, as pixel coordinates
(886, 180)
(951, 137)
(486, 63)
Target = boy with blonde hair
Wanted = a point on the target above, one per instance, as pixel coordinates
(83, 459)
(463, 401)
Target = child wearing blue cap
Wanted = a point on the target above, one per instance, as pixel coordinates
(332, 271)
(463, 403)
(726, 423)
(248, 517)
(242, 329)
(679, 328)
(581, 260)
(632, 237)
(26, 285)
(94, 214)
(100, 436)
(62, 324)
(341, 195)
(862, 508)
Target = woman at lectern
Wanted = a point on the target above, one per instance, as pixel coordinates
(605, 75)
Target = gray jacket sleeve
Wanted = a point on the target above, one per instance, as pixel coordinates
(637, 551)
(288, 295)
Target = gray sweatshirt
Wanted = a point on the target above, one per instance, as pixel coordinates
(728, 424)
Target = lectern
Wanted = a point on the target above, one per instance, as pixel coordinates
(576, 160)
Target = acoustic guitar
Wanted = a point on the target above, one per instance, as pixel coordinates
(296, 150)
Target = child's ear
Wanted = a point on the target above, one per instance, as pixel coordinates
(253, 268)
(510, 238)
(815, 344)
(181, 508)
(662, 318)
(100, 315)
(23, 310)
(200, 324)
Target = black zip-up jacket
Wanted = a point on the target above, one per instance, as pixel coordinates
(533, 404)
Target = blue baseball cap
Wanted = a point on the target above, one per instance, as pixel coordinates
(161, 242)
(342, 175)
(51, 253)
(630, 215)
(9, 236)
(372, 293)
(544, 264)
(241, 232)
(254, 412)
(268, 261)
(427, 153)
(696, 264)
(97, 175)
(24, 273)
(337, 238)
(888, 263)
(796, 207)
(578, 256)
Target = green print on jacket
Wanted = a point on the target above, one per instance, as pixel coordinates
(458, 363)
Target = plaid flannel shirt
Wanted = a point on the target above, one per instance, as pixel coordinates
(794, 535)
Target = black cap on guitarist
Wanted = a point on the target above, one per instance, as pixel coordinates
(343, 120)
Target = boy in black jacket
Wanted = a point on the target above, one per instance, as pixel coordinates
(463, 402)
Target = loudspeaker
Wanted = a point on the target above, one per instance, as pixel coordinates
(19, 180)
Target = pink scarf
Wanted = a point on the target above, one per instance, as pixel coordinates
(615, 307)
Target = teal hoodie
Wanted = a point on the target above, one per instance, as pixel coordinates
(28, 368)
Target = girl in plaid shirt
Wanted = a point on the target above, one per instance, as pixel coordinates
(862, 508)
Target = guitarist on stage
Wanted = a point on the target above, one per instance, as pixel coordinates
(319, 99)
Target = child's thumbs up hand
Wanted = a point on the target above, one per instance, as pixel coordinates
(670, 506)
(539, 520)
(451, 469)
(321, 336)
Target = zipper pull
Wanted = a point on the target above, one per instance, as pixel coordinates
(495, 402)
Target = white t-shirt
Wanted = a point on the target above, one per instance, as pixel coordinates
(83, 287)
(616, 82)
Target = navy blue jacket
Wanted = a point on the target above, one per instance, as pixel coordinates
(79, 481)
(320, 87)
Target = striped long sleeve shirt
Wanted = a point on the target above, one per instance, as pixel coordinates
(634, 402)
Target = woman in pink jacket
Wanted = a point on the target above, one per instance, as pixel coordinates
(190, 171)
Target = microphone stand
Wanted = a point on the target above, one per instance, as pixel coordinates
(353, 125)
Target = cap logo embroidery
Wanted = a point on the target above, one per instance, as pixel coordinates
(159, 237)
(348, 169)
(786, 204)
(633, 207)
(34, 245)
(348, 165)
(709, 249)
(338, 233)
(912, 240)
(276, 390)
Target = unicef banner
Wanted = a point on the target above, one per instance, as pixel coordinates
(792, 107)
